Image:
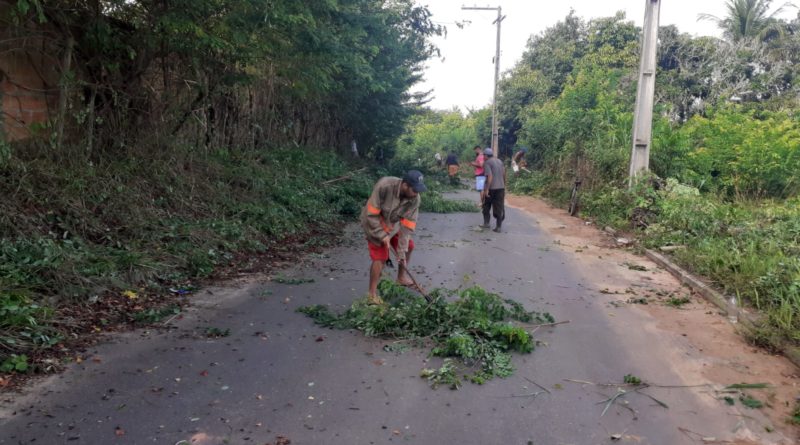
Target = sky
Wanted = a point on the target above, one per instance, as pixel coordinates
(463, 76)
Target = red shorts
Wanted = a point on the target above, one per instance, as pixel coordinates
(379, 252)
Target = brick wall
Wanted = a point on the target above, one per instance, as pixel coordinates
(28, 85)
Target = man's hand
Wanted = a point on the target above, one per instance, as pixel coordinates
(484, 195)
(386, 242)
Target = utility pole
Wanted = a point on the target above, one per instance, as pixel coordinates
(498, 21)
(643, 114)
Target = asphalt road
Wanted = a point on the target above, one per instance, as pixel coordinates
(277, 374)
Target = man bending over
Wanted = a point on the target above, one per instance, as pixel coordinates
(389, 219)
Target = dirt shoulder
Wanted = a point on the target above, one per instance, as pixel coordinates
(707, 347)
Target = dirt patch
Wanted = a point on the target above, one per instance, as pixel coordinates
(710, 348)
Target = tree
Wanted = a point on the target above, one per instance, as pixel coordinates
(555, 51)
(520, 88)
(233, 73)
(748, 19)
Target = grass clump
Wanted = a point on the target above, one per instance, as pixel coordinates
(154, 315)
(794, 418)
(24, 326)
(677, 301)
(471, 326)
(631, 379)
(751, 402)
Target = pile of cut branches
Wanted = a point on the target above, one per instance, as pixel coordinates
(477, 328)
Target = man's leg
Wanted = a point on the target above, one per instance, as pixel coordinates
(487, 206)
(375, 277)
(402, 276)
(379, 254)
(498, 207)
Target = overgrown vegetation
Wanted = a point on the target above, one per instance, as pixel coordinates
(73, 235)
(476, 328)
(725, 151)
(429, 132)
(222, 73)
(179, 145)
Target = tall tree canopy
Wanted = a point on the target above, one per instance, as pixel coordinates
(234, 72)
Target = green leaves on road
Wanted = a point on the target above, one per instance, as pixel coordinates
(475, 328)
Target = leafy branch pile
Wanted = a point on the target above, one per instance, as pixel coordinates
(470, 326)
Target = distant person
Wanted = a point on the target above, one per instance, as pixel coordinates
(389, 219)
(438, 158)
(480, 178)
(494, 194)
(452, 166)
(518, 161)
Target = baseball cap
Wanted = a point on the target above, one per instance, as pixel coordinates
(414, 179)
(488, 152)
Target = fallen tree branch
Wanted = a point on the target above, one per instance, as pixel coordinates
(540, 386)
(544, 325)
(343, 177)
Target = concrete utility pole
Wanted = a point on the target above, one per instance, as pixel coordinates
(498, 21)
(643, 114)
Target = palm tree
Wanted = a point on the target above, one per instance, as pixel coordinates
(747, 19)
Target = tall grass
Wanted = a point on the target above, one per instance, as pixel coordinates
(750, 249)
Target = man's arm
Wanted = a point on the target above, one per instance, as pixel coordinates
(374, 222)
(478, 162)
(408, 224)
(485, 191)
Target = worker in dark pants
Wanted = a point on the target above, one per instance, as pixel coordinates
(494, 194)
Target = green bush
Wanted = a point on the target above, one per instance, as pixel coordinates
(745, 154)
